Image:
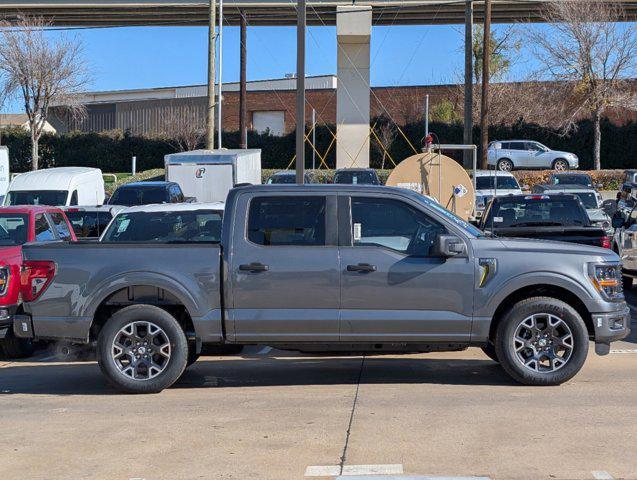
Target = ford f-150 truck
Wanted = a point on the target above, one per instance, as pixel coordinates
(328, 268)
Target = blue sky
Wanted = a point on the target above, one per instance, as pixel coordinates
(140, 57)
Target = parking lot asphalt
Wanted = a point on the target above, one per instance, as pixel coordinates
(281, 415)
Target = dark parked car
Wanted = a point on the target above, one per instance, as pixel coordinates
(356, 176)
(288, 176)
(557, 216)
(576, 180)
(144, 193)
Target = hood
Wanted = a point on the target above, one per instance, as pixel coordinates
(529, 245)
(565, 154)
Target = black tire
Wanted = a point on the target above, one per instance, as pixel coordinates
(505, 165)
(489, 351)
(173, 336)
(628, 282)
(14, 347)
(563, 163)
(505, 349)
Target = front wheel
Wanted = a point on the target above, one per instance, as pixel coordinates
(542, 341)
(560, 165)
(142, 349)
(505, 165)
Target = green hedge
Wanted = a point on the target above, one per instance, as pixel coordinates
(112, 152)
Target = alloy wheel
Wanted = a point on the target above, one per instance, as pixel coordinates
(543, 343)
(141, 350)
(561, 165)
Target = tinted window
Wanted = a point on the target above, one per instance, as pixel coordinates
(38, 197)
(585, 180)
(165, 227)
(13, 229)
(505, 145)
(287, 221)
(393, 224)
(589, 199)
(279, 179)
(356, 178)
(43, 231)
(486, 183)
(533, 146)
(61, 226)
(517, 146)
(139, 196)
(88, 224)
(74, 198)
(529, 212)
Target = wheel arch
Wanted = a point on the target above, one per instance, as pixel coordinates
(541, 290)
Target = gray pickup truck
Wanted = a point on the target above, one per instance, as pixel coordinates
(327, 268)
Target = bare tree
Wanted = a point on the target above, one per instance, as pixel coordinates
(182, 127)
(42, 71)
(591, 56)
(386, 135)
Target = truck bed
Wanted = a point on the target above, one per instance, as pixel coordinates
(90, 275)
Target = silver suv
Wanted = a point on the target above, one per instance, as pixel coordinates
(518, 154)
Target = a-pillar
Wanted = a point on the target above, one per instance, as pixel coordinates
(353, 33)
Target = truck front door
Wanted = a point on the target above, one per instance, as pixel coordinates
(284, 269)
(395, 288)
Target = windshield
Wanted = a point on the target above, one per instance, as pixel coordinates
(486, 183)
(357, 178)
(13, 229)
(139, 196)
(589, 199)
(37, 197)
(278, 179)
(165, 227)
(530, 212)
(585, 180)
(88, 224)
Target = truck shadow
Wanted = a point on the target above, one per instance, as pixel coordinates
(211, 372)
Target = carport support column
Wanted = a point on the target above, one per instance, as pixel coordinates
(353, 33)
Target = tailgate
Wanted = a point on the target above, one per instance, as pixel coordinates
(89, 273)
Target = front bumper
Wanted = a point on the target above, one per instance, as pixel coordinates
(573, 162)
(610, 327)
(6, 320)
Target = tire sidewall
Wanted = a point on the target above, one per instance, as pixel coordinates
(509, 324)
(174, 332)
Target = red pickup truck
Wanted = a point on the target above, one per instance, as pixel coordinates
(19, 225)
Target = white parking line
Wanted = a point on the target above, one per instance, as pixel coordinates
(624, 350)
(322, 471)
(395, 469)
(601, 475)
(391, 477)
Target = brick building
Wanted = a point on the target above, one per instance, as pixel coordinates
(270, 105)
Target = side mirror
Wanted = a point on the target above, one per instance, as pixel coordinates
(450, 246)
(618, 220)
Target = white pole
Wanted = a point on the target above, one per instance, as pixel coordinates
(220, 101)
(313, 139)
(134, 165)
(426, 115)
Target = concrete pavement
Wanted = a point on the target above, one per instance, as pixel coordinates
(271, 415)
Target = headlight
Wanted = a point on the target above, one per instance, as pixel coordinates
(4, 280)
(607, 280)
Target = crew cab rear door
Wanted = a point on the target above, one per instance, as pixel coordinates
(283, 268)
(394, 286)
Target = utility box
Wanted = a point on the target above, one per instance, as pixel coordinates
(208, 175)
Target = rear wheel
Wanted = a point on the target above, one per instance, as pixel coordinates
(505, 165)
(542, 341)
(560, 165)
(142, 349)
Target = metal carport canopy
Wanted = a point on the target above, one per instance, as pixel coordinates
(266, 12)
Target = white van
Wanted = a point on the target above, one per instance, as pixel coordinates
(61, 186)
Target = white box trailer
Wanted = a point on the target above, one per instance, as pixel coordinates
(208, 175)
